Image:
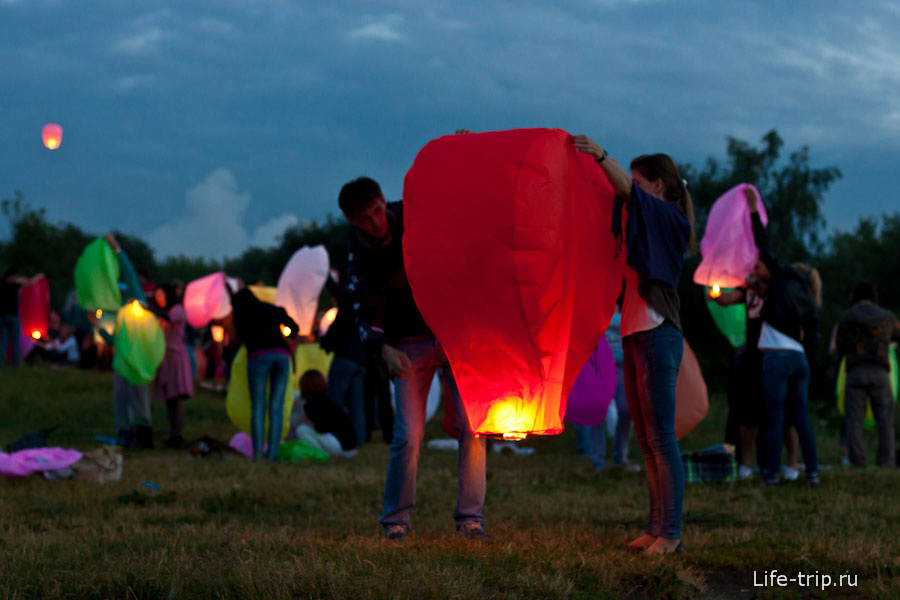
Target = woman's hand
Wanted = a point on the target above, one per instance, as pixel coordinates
(585, 144)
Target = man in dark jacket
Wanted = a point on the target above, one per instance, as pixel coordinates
(388, 321)
(864, 335)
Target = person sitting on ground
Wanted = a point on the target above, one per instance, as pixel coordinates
(320, 422)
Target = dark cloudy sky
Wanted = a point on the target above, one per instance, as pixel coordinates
(206, 126)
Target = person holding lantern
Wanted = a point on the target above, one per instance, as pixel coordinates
(389, 322)
(174, 382)
(657, 233)
(789, 330)
(10, 328)
(131, 403)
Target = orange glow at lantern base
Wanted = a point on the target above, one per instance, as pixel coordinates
(715, 292)
(285, 331)
(36, 334)
(137, 310)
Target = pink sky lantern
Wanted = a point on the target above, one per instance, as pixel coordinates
(52, 135)
(206, 299)
(34, 309)
(504, 253)
(594, 389)
(300, 284)
(729, 252)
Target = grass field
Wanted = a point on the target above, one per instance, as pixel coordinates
(235, 529)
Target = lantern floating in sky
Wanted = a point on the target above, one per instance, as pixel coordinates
(729, 252)
(140, 344)
(206, 299)
(505, 257)
(300, 284)
(34, 309)
(52, 135)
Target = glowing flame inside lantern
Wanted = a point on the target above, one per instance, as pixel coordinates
(218, 333)
(137, 310)
(285, 331)
(36, 334)
(327, 320)
(52, 135)
(99, 314)
(505, 416)
(715, 292)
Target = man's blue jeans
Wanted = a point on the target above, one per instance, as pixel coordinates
(785, 386)
(270, 369)
(597, 434)
(652, 361)
(9, 336)
(347, 388)
(411, 395)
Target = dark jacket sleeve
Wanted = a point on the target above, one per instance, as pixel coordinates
(361, 294)
(761, 238)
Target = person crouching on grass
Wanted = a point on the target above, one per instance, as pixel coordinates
(658, 232)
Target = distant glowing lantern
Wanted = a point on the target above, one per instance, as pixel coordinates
(99, 314)
(52, 135)
(300, 284)
(218, 333)
(729, 252)
(327, 320)
(34, 309)
(206, 299)
(140, 344)
(502, 251)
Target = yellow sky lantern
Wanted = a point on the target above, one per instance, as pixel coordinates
(52, 135)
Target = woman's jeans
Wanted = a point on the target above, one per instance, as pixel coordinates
(652, 361)
(411, 395)
(785, 386)
(270, 369)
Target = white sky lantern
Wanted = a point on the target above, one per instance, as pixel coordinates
(300, 284)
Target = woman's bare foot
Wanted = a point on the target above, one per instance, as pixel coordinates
(664, 546)
(642, 542)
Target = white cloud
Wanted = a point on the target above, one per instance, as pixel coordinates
(140, 42)
(131, 82)
(384, 29)
(213, 222)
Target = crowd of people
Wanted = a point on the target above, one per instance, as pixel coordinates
(380, 335)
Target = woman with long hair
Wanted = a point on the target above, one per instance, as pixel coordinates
(658, 231)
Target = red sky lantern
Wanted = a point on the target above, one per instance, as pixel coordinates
(34, 309)
(52, 135)
(508, 250)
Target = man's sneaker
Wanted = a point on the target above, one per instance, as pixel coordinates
(395, 533)
(629, 467)
(791, 473)
(472, 530)
(745, 472)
